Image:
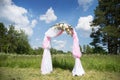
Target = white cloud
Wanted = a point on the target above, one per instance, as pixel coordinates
(13, 14)
(59, 44)
(49, 16)
(34, 22)
(84, 23)
(37, 39)
(85, 4)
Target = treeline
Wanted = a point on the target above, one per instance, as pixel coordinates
(87, 49)
(14, 41)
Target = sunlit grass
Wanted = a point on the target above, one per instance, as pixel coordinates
(57, 74)
(27, 67)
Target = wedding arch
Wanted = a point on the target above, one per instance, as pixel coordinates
(54, 31)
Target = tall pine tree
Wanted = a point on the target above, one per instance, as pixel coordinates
(107, 17)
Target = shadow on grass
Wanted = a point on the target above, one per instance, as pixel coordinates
(63, 64)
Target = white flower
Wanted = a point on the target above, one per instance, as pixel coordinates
(66, 25)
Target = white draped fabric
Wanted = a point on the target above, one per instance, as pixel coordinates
(46, 65)
(78, 69)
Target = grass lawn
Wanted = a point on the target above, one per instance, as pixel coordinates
(27, 67)
(57, 74)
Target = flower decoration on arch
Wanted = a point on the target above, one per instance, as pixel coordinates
(64, 27)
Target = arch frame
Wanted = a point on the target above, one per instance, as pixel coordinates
(55, 31)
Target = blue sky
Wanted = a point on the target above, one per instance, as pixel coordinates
(35, 17)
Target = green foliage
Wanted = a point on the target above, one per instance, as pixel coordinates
(102, 62)
(87, 49)
(13, 41)
(19, 61)
(108, 19)
(38, 51)
(27, 67)
(24, 46)
(55, 51)
(63, 61)
(3, 39)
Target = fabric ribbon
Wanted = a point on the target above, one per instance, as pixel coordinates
(46, 42)
(76, 49)
(47, 38)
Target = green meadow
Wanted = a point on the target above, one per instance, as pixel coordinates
(27, 67)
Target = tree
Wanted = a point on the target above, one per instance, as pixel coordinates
(38, 50)
(17, 41)
(107, 17)
(87, 49)
(3, 39)
(23, 46)
(53, 51)
(13, 41)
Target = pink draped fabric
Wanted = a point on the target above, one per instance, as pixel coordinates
(60, 33)
(76, 49)
(46, 42)
(46, 64)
